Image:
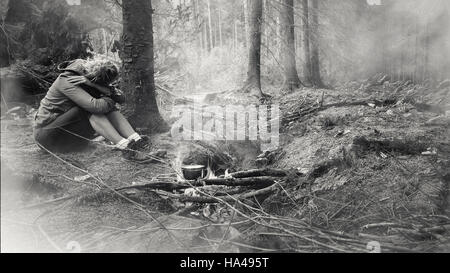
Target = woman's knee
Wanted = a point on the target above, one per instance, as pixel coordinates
(97, 118)
(115, 115)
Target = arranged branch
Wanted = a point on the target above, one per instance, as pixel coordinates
(166, 186)
(231, 182)
(208, 199)
(262, 181)
(259, 172)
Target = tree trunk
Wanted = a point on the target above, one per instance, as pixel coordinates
(210, 25)
(266, 26)
(314, 36)
(277, 37)
(246, 24)
(426, 52)
(205, 36)
(306, 46)
(138, 67)
(220, 28)
(288, 45)
(198, 24)
(236, 40)
(253, 83)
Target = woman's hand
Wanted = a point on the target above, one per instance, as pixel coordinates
(77, 80)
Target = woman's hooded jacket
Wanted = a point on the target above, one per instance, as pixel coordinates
(63, 95)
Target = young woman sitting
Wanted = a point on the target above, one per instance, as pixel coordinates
(79, 104)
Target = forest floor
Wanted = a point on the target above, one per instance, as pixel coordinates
(377, 165)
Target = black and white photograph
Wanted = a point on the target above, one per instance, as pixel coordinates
(241, 129)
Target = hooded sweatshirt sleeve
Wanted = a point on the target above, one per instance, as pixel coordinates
(84, 99)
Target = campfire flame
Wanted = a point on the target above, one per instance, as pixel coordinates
(209, 172)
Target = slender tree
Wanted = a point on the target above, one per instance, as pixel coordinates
(138, 66)
(205, 36)
(314, 38)
(246, 22)
(235, 38)
(253, 83)
(198, 24)
(288, 45)
(266, 27)
(306, 46)
(220, 28)
(211, 42)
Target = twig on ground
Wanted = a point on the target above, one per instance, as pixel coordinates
(139, 206)
(377, 225)
(211, 199)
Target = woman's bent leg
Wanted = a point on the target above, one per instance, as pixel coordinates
(105, 128)
(68, 133)
(121, 124)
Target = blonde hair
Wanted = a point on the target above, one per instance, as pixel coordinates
(100, 70)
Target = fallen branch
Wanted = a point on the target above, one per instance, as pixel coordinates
(305, 112)
(166, 186)
(136, 204)
(205, 200)
(259, 172)
(231, 182)
(377, 225)
(365, 102)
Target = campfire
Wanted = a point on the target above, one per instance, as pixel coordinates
(206, 175)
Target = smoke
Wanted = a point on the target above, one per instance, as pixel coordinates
(407, 39)
(426, 32)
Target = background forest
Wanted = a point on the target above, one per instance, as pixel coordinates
(362, 156)
(202, 44)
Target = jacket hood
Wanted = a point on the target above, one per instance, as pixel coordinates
(76, 66)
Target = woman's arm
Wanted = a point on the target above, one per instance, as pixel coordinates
(111, 92)
(77, 80)
(83, 99)
(105, 90)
